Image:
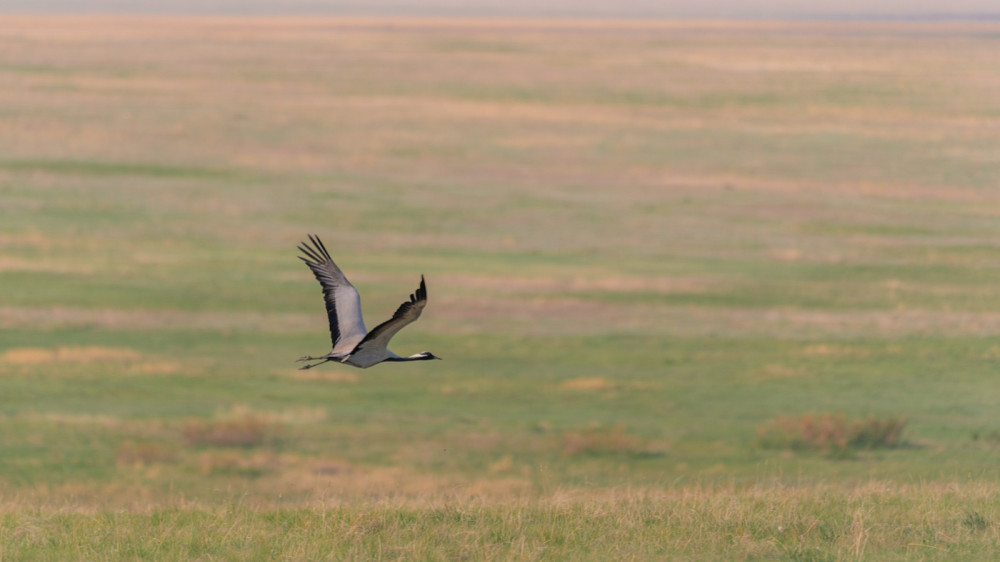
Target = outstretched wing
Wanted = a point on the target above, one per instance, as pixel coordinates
(343, 303)
(407, 313)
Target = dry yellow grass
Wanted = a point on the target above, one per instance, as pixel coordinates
(317, 375)
(118, 319)
(588, 383)
(90, 354)
(156, 368)
(779, 371)
(15, 264)
(829, 350)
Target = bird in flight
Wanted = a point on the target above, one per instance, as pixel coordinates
(352, 343)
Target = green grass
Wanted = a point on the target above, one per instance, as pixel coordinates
(640, 247)
(88, 168)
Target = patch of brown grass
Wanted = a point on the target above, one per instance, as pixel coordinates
(155, 368)
(91, 354)
(561, 285)
(64, 418)
(826, 350)
(14, 317)
(292, 416)
(398, 485)
(246, 432)
(833, 434)
(135, 362)
(481, 441)
(144, 454)
(589, 383)
(326, 375)
(331, 467)
(602, 440)
(244, 427)
(237, 463)
(13, 264)
(778, 371)
(241, 428)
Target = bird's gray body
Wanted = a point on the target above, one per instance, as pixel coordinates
(352, 343)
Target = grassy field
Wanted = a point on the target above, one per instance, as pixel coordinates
(644, 243)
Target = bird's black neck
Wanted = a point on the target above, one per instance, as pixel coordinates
(411, 358)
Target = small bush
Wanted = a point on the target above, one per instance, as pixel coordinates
(241, 431)
(833, 434)
(603, 440)
(975, 521)
(237, 463)
(143, 454)
(992, 437)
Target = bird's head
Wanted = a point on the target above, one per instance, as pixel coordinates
(425, 355)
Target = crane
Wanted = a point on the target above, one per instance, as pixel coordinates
(352, 343)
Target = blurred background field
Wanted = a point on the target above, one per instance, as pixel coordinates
(646, 243)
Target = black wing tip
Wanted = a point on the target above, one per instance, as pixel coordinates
(320, 246)
(317, 250)
(316, 260)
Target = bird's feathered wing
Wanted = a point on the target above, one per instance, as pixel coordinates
(343, 303)
(407, 313)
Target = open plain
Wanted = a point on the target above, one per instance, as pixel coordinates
(645, 244)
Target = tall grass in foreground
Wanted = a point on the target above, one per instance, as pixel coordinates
(876, 521)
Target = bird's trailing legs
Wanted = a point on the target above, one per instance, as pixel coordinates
(311, 358)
